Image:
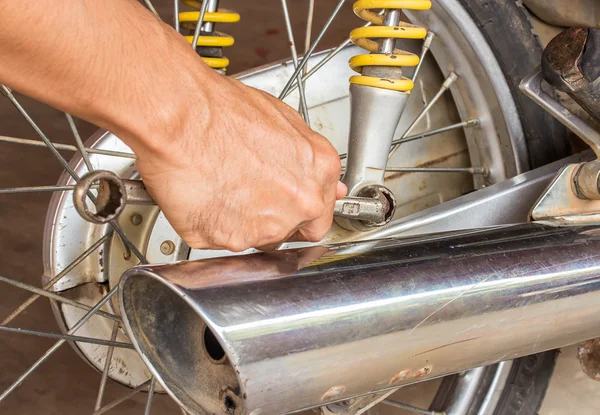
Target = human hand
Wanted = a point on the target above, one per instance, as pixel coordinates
(242, 170)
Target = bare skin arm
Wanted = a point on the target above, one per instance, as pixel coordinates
(230, 166)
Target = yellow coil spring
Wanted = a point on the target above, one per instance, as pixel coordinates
(363, 36)
(222, 40)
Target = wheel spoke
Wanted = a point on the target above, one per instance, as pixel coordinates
(322, 62)
(59, 343)
(79, 143)
(288, 26)
(176, 19)
(111, 405)
(150, 7)
(35, 189)
(308, 54)
(109, 355)
(199, 23)
(56, 297)
(79, 339)
(424, 49)
(471, 170)
(126, 242)
(150, 396)
(309, 25)
(58, 276)
(307, 36)
(68, 147)
(464, 124)
(445, 86)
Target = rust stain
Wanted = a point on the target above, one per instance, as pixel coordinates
(402, 375)
(333, 393)
(423, 372)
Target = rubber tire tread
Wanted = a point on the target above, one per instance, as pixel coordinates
(508, 30)
(527, 384)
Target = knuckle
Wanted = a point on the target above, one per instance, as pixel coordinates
(329, 162)
(317, 234)
(311, 204)
(272, 232)
(234, 242)
(236, 245)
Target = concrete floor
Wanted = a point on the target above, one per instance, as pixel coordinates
(65, 384)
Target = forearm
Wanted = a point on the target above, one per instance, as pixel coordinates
(109, 62)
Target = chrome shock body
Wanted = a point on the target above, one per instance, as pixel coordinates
(378, 95)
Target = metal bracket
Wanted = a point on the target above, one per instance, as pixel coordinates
(561, 201)
(574, 194)
(532, 87)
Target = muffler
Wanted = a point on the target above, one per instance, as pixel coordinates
(273, 333)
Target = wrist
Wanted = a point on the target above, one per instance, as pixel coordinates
(174, 90)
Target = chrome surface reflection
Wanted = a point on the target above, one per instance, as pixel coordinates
(306, 327)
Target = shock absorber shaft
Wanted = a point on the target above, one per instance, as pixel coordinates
(379, 94)
(210, 43)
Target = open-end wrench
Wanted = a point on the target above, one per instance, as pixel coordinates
(373, 207)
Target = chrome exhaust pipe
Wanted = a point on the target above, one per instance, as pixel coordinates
(272, 333)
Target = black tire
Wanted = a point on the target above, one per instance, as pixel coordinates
(527, 384)
(509, 32)
(523, 392)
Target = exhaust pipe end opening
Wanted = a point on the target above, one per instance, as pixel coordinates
(177, 346)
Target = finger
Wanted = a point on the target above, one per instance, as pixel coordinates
(317, 229)
(341, 190)
(269, 247)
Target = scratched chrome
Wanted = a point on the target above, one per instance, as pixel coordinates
(340, 321)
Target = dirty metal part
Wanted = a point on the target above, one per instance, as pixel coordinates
(410, 408)
(109, 202)
(589, 358)
(356, 406)
(463, 124)
(453, 301)
(113, 194)
(448, 82)
(586, 181)
(373, 207)
(561, 201)
(371, 134)
(532, 87)
(571, 64)
(167, 247)
(573, 13)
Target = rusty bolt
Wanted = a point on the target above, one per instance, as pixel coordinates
(136, 219)
(167, 247)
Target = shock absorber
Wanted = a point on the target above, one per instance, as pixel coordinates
(210, 43)
(379, 94)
